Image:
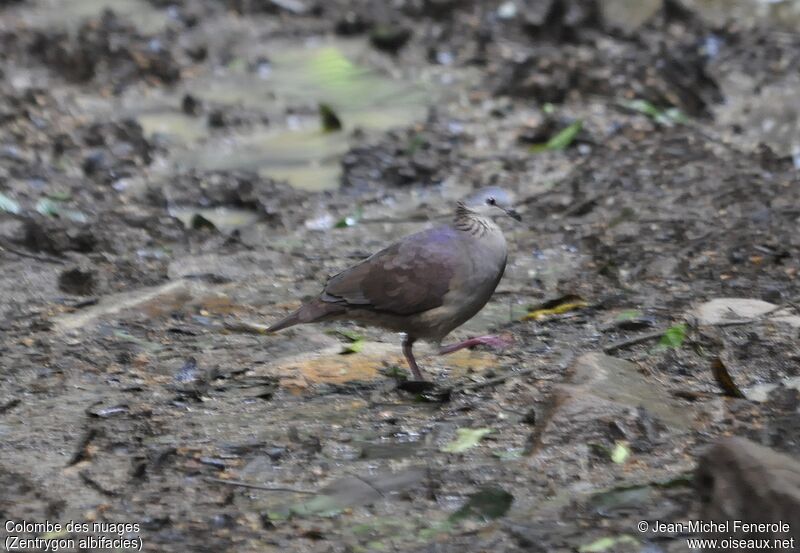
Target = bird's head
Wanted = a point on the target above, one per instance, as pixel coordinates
(491, 201)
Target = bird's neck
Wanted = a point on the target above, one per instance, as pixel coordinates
(474, 223)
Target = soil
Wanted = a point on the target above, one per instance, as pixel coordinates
(167, 190)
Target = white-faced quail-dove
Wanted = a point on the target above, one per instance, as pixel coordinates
(426, 284)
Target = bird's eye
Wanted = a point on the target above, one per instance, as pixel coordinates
(490, 201)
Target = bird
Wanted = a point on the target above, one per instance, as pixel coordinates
(426, 284)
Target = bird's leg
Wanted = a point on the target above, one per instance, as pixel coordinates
(408, 342)
(492, 341)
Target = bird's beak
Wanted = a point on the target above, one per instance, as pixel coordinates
(513, 214)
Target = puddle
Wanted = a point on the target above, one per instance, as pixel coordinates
(287, 90)
(307, 75)
(70, 13)
(308, 159)
(225, 219)
(174, 126)
(629, 14)
(772, 13)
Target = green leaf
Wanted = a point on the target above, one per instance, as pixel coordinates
(350, 220)
(415, 143)
(607, 543)
(561, 140)
(629, 315)
(48, 207)
(353, 347)
(61, 196)
(642, 106)
(620, 453)
(667, 117)
(238, 65)
(8, 205)
(466, 438)
(344, 333)
(329, 119)
(673, 337)
(674, 114)
(53, 208)
(509, 454)
(199, 222)
(565, 137)
(486, 504)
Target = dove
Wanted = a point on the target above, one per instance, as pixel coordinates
(425, 285)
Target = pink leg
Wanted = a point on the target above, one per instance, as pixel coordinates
(497, 342)
(412, 363)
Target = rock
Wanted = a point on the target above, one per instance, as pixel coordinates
(106, 48)
(619, 381)
(77, 281)
(56, 236)
(738, 480)
(190, 105)
(292, 6)
(439, 8)
(95, 162)
(352, 23)
(605, 392)
(720, 310)
(389, 38)
(216, 119)
(164, 295)
(629, 16)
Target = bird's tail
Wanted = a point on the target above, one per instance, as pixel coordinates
(312, 312)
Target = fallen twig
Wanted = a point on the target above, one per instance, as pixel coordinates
(566, 360)
(245, 327)
(42, 258)
(496, 380)
(240, 484)
(763, 317)
(635, 340)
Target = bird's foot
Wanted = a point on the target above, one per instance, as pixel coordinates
(496, 342)
(416, 386)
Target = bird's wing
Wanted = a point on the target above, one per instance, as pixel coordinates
(410, 276)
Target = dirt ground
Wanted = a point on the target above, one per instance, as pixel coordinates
(167, 190)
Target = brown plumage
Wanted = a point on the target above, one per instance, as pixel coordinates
(426, 284)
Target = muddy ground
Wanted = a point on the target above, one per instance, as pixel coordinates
(167, 188)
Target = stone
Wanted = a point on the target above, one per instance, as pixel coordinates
(739, 481)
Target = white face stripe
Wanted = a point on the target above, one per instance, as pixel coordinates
(483, 196)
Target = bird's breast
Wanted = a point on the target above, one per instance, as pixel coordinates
(482, 267)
